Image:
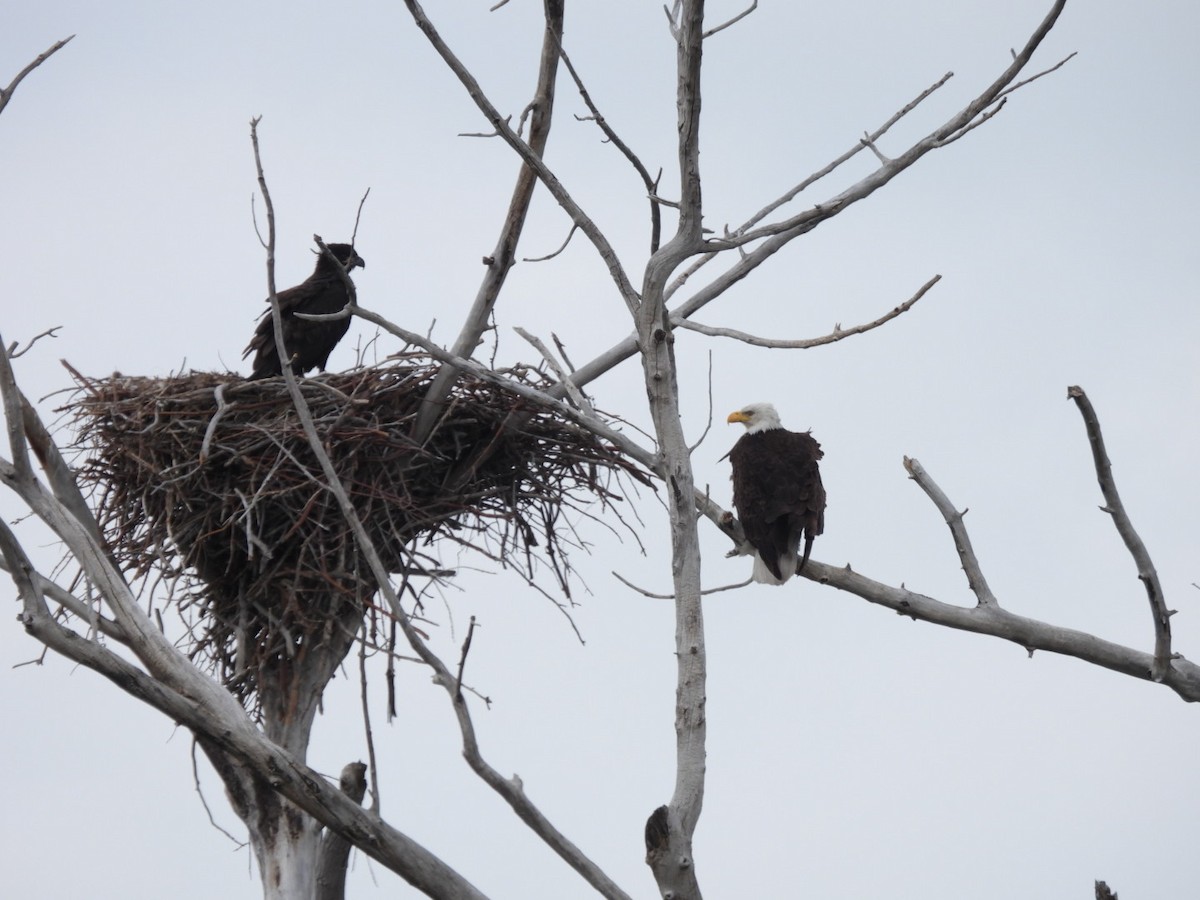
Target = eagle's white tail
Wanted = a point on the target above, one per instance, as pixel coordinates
(787, 568)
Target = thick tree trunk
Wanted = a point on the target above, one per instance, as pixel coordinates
(286, 841)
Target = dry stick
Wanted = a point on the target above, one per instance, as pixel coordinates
(554, 253)
(745, 12)
(503, 256)
(14, 353)
(376, 799)
(615, 139)
(6, 93)
(836, 335)
(1137, 549)
(204, 800)
(704, 593)
(462, 660)
(573, 392)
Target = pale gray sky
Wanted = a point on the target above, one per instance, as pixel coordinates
(852, 753)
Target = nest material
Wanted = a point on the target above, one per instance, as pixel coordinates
(208, 482)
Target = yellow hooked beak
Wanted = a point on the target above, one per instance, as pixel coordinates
(738, 416)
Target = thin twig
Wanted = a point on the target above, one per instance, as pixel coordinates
(204, 801)
(551, 255)
(358, 216)
(13, 352)
(462, 660)
(376, 797)
(615, 139)
(745, 12)
(645, 593)
(836, 335)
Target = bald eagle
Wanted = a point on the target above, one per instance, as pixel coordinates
(308, 343)
(777, 492)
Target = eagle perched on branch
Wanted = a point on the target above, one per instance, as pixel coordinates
(777, 492)
(307, 343)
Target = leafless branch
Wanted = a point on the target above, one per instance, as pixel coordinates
(973, 114)
(536, 259)
(836, 335)
(598, 117)
(645, 593)
(1054, 68)
(204, 801)
(745, 12)
(462, 660)
(962, 542)
(77, 607)
(573, 392)
(13, 352)
(6, 93)
(483, 134)
(790, 195)
(1182, 676)
(1133, 542)
(358, 216)
(368, 734)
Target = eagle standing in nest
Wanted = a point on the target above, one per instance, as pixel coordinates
(307, 343)
(777, 492)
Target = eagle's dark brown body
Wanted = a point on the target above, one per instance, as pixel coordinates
(307, 343)
(777, 491)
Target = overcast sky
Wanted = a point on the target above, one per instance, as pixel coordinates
(852, 753)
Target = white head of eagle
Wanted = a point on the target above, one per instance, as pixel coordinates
(777, 492)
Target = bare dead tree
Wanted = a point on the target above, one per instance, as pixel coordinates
(264, 767)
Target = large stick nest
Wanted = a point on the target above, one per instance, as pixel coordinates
(208, 483)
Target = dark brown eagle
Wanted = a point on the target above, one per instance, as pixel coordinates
(308, 343)
(777, 492)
